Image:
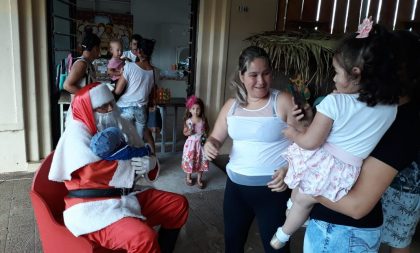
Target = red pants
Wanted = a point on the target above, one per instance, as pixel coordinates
(167, 209)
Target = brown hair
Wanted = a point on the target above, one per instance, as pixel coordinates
(188, 115)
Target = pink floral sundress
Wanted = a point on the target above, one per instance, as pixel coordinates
(193, 155)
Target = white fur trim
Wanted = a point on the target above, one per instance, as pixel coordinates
(100, 95)
(123, 176)
(72, 152)
(92, 216)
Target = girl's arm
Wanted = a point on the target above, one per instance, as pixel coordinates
(375, 177)
(290, 113)
(187, 130)
(77, 73)
(119, 87)
(219, 133)
(314, 136)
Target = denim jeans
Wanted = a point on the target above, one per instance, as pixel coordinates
(136, 114)
(323, 237)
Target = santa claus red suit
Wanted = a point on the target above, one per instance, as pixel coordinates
(100, 205)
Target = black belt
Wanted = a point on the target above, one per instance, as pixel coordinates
(98, 193)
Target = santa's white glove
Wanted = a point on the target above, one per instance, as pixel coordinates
(142, 165)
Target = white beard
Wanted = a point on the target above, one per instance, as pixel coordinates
(108, 119)
(114, 119)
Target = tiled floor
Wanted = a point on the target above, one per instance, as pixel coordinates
(203, 232)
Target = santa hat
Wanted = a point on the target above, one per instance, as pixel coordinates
(100, 95)
(88, 98)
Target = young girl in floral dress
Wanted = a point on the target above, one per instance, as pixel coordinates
(196, 129)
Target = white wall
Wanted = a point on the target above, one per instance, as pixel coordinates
(25, 134)
(167, 22)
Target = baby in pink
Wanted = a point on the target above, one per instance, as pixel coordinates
(115, 64)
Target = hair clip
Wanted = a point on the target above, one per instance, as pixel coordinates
(191, 101)
(364, 28)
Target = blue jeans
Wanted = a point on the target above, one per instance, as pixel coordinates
(323, 237)
(138, 115)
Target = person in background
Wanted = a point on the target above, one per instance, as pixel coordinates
(100, 205)
(131, 55)
(325, 160)
(401, 201)
(137, 80)
(82, 71)
(115, 64)
(354, 222)
(254, 120)
(195, 127)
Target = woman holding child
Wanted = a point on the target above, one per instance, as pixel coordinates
(353, 224)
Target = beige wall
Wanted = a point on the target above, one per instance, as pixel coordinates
(24, 114)
(213, 29)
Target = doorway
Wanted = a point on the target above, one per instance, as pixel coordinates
(173, 24)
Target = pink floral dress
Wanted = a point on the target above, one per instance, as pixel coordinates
(193, 155)
(319, 172)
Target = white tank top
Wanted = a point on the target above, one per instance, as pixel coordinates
(257, 143)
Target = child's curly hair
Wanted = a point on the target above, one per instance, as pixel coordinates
(377, 60)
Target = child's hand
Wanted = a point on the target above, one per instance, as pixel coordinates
(298, 119)
(297, 112)
(190, 131)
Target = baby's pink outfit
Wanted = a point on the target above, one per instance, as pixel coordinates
(117, 64)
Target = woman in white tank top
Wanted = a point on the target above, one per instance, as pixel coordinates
(254, 120)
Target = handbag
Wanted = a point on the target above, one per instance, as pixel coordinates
(154, 119)
(153, 94)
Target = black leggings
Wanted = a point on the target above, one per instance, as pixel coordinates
(243, 203)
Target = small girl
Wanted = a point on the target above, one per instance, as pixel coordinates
(195, 127)
(325, 159)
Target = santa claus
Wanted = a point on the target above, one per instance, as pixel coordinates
(101, 205)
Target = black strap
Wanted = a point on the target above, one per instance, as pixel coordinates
(98, 193)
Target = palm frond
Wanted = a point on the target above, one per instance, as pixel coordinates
(300, 52)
